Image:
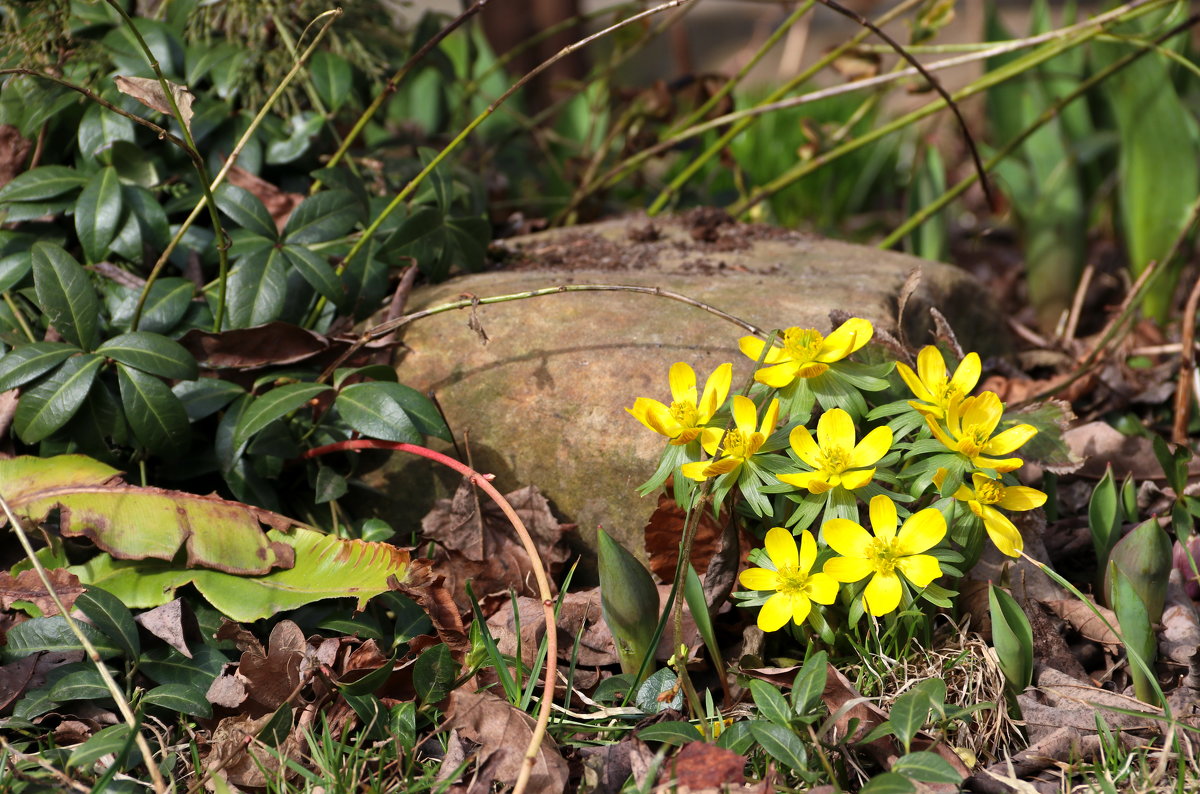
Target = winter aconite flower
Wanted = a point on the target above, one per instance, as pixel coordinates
(887, 555)
(795, 586)
(732, 449)
(933, 386)
(684, 420)
(989, 494)
(804, 352)
(834, 456)
(969, 427)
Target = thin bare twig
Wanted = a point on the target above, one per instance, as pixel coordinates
(1187, 366)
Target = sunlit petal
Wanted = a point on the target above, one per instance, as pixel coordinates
(936, 428)
(932, 368)
(822, 588)
(882, 593)
(808, 551)
(781, 547)
(683, 382)
(1009, 440)
(770, 418)
(779, 375)
(849, 336)
(923, 530)
(752, 348)
(744, 414)
(920, 569)
(1002, 532)
(710, 439)
(814, 481)
(695, 471)
(803, 444)
(716, 389)
(800, 608)
(1000, 465)
(883, 516)
(846, 537)
(984, 410)
(759, 579)
(967, 375)
(873, 447)
(775, 613)
(847, 569)
(1020, 497)
(914, 383)
(722, 466)
(852, 480)
(835, 428)
(811, 369)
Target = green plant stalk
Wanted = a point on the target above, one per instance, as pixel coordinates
(989, 80)
(197, 161)
(694, 166)
(1048, 115)
(255, 123)
(20, 317)
(110, 684)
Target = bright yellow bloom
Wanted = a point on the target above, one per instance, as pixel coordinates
(887, 554)
(933, 385)
(795, 584)
(834, 455)
(969, 427)
(742, 441)
(686, 417)
(804, 352)
(988, 492)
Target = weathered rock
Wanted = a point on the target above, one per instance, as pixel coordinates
(542, 402)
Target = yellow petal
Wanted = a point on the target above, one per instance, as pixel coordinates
(1009, 440)
(914, 383)
(849, 336)
(808, 551)
(781, 547)
(775, 614)
(655, 416)
(752, 347)
(967, 375)
(695, 471)
(683, 383)
(1002, 532)
(964, 493)
(939, 477)
(710, 439)
(814, 481)
(1020, 497)
(1000, 465)
(940, 434)
(779, 375)
(744, 414)
(853, 480)
(920, 569)
(770, 419)
(722, 466)
(716, 389)
(932, 369)
(984, 410)
(882, 593)
(835, 429)
(811, 370)
(822, 588)
(923, 530)
(846, 538)
(804, 446)
(686, 436)
(883, 516)
(800, 608)
(873, 447)
(847, 569)
(759, 579)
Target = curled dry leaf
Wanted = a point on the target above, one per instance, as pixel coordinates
(700, 765)
(665, 528)
(150, 93)
(503, 732)
(174, 623)
(608, 766)
(28, 586)
(1089, 625)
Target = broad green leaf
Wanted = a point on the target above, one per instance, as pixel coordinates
(165, 665)
(145, 227)
(629, 602)
(330, 75)
(257, 289)
(82, 684)
(370, 711)
(369, 409)
(65, 294)
(1137, 630)
(179, 698)
(153, 354)
(205, 396)
(246, 210)
(98, 213)
(329, 486)
(276, 403)
(14, 268)
(108, 614)
(420, 409)
(425, 219)
(659, 692)
(888, 783)
(138, 523)
(670, 732)
(52, 401)
(137, 171)
(771, 703)
(301, 129)
(1144, 557)
(99, 425)
(316, 271)
(781, 744)
(35, 703)
(99, 129)
(39, 184)
(909, 714)
(155, 414)
(19, 366)
(1012, 638)
(382, 372)
(53, 634)
(167, 303)
(140, 584)
(927, 767)
(326, 216)
(115, 740)
(810, 683)
(372, 680)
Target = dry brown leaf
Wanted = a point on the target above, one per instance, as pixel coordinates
(1081, 617)
(503, 732)
(150, 93)
(1179, 639)
(271, 678)
(609, 766)
(28, 586)
(13, 151)
(428, 589)
(174, 623)
(14, 678)
(700, 765)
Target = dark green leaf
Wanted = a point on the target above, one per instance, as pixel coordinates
(66, 294)
(115, 740)
(166, 665)
(1012, 638)
(18, 367)
(670, 732)
(326, 216)
(52, 401)
(372, 680)
(316, 271)
(301, 129)
(52, 634)
(382, 372)
(39, 184)
(167, 303)
(659, 692)
(888, 783)
(99, 129)
(369, 409)
(781, 744)
(1137, 630)
(35, 703)
(83, 684)
(433, 673)
(245, 209)
(909, 714)
(257, 289)
(205, 396)
(737, 737)
(181, 698)
(425, 219)
(108, 614)
(153, 411)
(331, 77)
(278, 727)
(420, 409)
(151, 353)
(771, 704)
(14, 268)
(810, 683)
(927, 767)
(370, 711)
(98, 213)
(1104, 517)
(467, 241)
(329, 486)
(271, 406)
(146, 225)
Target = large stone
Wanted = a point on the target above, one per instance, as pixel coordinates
(542, 401)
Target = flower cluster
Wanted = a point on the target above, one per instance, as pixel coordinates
(909, 462)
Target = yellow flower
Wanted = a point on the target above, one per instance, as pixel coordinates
(685, 419)
(834, 455)
(933, 385)
(804, 352)
(795, 584)
(742, 441)
(969, 427)
(887, 554)
(988, 492)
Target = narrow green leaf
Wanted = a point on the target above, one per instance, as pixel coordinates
(98, 213)
(45, 182)
(1104, 517)
(65, 294)
(781, 744)
(670, 732)
(331, 77)
(53, 634)
(316, 271)
(927, 767)
(369, 409)
(165, 665)
(52, 401)
(1012, 638)
(329, 486)
(372, 680)
(115, 740)
(909, 714)
(153, 354)
(14, 268)
(810, 683)
(326, 216)
(155, 414)
(18, 367)
(245, 209)
(180, 698)
(273, 405)
(108, 614)
(771, 703)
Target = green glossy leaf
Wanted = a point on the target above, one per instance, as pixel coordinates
(52, 401)
(370, 711)
(771, 703)
(45, 182)
(257, 289)
(810, 683)
(81, 684)
(424, 219)
(205, 396)
(246, 210)
(670, 732)
(329, 486)
(155, 414)
(108, 614)
(381, 372)
(659, 692)
(179, 698)
(1012, 638)
(275, 404)
(153, 354)
(330, 75)
(328, 215)
(145, 227)
(165, 665)
(14, 268)
(781, 744)
(1144, 557)
(629, 602)
(35, 703)
(167, 303)
(98, 213)
(316, 271)
(909, 714)
(301, 129)
(370, 409)
(374, 679)
(19, 366)
(53, 634)
(927, 767)
(433, 673)
(65, 294)
(99, 129)
(420, 409)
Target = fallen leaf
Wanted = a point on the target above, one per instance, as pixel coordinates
(174, 623)
(609, 766)
(14, 679)
(665, 528)
(273, 677)
(701, 765)
(503, 731)
(1081, 617)
(13, 151)
(149, 92)
(28, 586)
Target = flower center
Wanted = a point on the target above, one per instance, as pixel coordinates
(973, 440)
(989, 492)
(834, 460)
(685, 413)
(883, 554)
(792, 581)
(736, 444)
(802, 344)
